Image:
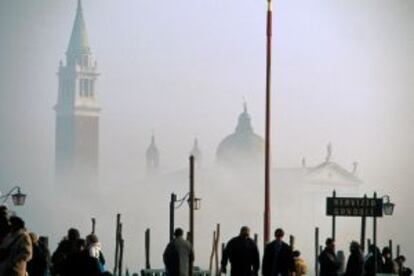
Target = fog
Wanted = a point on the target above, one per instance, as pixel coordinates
(182, 69)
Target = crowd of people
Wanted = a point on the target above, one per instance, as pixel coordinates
(373, 263)
(23, 253)
(77, 256)
(279, 259)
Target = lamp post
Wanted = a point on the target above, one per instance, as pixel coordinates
(18, 198)
(387, 208)
(193, 202)
(177, 203)
(363, 224)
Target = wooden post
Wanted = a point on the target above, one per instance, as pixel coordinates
(147, 248)
(93, 225)
(217, 241)
(374, 239)
(223, 246)
(292, 242)
(363, 225)
(256, 238)
(212, 253)
(121, 255)
(316, 250)
(391, 249)
(398, 250)
(191, 198)
(172, 215)
(369, 243)
(334, 220)
(118, 222)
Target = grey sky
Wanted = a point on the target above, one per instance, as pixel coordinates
(342, 73)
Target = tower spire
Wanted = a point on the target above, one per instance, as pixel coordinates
(196, 152)
(78, 43)
(152, 156)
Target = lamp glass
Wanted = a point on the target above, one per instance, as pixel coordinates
(388, 208)
(197, 203)
(19, 199)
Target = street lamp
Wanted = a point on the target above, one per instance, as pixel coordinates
(18, 198)
(388, 209)
(388, 206)
(197, 203)
(177, 203)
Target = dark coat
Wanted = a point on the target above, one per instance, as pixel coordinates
(243, 255)
(178, 255)
(369, 266)
(82, 264)
(65, 250)
(329, 263)
(355, 265)
(278, 263)
(389, 266)
(37, 266)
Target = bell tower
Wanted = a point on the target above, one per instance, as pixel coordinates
(77, 111)
(152, 157)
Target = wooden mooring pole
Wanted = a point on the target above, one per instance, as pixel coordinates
(93, 225)
(316, 250)
(147, 248)
(117, 230)
(121, 254)
(292, 242)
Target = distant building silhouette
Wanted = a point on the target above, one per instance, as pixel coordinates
(243, 147)
(329, 173)
(77, 111)
(152, 157)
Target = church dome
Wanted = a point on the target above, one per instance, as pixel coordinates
(243, 146)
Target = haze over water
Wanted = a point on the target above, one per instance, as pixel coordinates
(342, 74)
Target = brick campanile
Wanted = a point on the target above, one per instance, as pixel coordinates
(77, 112)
